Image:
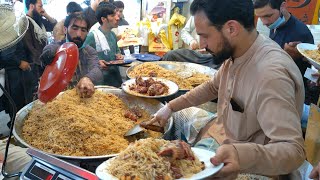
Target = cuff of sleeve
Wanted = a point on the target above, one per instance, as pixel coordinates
(174, 105)
(246, 154)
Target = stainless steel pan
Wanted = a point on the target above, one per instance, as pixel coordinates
(150, 105)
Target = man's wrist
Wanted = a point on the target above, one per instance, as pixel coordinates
(169, 107)
(86, 78)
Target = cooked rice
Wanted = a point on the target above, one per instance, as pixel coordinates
(74, 126)
(313, 54)
(146, 68)
(140, 160)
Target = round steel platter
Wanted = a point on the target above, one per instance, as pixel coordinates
(179, 66)
(150, 105)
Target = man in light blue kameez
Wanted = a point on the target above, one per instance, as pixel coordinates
(105, 42)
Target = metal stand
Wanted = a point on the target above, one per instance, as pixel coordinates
(14, 111)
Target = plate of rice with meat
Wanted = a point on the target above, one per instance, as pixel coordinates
(159, 159)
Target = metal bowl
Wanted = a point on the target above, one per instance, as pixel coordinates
(179, 66)
(150, 105)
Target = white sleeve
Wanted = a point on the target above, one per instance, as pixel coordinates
(187, 31)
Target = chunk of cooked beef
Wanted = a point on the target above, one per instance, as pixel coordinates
(177, 150)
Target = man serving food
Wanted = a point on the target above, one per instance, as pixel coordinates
(88, 71)
(259, 89)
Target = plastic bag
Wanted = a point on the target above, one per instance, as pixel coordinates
(174, 27)
(144, 28)
(158, 42)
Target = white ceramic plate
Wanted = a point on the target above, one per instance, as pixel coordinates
(306, 46)
(173, 87)
(203, 155)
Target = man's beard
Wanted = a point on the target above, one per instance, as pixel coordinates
(37, 17)
(225, 53)
(77, 40)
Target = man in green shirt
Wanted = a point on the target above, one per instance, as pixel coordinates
(105, 43)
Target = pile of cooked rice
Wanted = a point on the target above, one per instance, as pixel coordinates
(148, 69)
(313, 54)
(141, 161)
(74, 126)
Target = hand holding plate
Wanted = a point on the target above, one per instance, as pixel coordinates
(291, 49)
(102, 64)
(315, 173)
(228, 155)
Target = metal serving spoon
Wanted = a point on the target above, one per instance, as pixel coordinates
(138, 128)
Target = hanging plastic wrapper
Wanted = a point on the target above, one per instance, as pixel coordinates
(144, 28)
(174, 27)
(158, 42)
(188, 123)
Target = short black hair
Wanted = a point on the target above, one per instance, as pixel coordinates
(104, 10)
(220, 11)
(73, 7)
(119, 4)
(274, 4)
(80, 17)
(28, 2)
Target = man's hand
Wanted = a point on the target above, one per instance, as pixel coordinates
(318, 76)
(161, 116)
(49, 18)
(102, 64)
(119, 57)
(228, 155)
(203, 51)
(24, 66)
(194, 45)
(291, 49)
(85, 87)
(44, 13)
(315, 173)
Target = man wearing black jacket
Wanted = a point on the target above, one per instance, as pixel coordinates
(17, 78)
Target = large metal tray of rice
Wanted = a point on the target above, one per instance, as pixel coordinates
(71, 127)
(185, 75)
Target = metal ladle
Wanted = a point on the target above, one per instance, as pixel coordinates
(139, 128)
